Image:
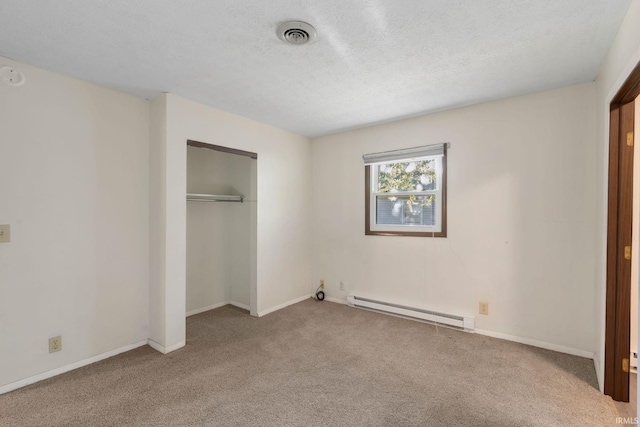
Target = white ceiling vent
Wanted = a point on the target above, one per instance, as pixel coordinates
(296, 32)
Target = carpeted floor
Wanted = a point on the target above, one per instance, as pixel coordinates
(320, 364)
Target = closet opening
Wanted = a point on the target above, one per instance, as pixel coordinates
(221, 233)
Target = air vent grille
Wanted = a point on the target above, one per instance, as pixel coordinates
(296, 36)
(296, 32)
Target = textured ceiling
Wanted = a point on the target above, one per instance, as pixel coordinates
(373, 61)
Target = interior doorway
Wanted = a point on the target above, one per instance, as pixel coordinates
(619, 239)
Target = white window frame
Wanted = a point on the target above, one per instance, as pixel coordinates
(374, 161)
(400, 228)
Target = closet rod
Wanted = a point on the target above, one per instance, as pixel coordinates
(213, 198)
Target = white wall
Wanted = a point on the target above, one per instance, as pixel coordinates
(74, 185)
(622, 58)
(241, 220)
(157, 221)
(167, 296)
(521, 214)
(218, 234)
(281, 257)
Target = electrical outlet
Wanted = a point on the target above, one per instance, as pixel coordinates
(321, 283)
(342, 286)
(55, 344)
(5, 233)
(484, 308)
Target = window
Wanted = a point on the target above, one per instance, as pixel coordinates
(405, 192)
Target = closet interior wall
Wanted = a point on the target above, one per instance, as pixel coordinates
(219, 233)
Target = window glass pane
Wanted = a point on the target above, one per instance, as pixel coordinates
(407, 176)
(406, 210)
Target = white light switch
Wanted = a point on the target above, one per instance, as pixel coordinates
(5, 233)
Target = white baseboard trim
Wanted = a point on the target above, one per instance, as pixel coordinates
(536, 343)
(218, 305)
(283, 305)
(207, 308)
(596, 363)
(164, 350)
(70, 367)
(240, 305)
(336, 300)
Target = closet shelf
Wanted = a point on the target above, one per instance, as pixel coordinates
(192, 197)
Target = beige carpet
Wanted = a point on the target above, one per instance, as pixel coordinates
(320, 364)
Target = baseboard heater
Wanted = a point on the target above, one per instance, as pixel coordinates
(464, 323)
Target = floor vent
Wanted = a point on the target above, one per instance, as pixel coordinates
(464, 323)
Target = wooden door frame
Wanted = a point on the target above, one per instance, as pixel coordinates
(619, 234)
